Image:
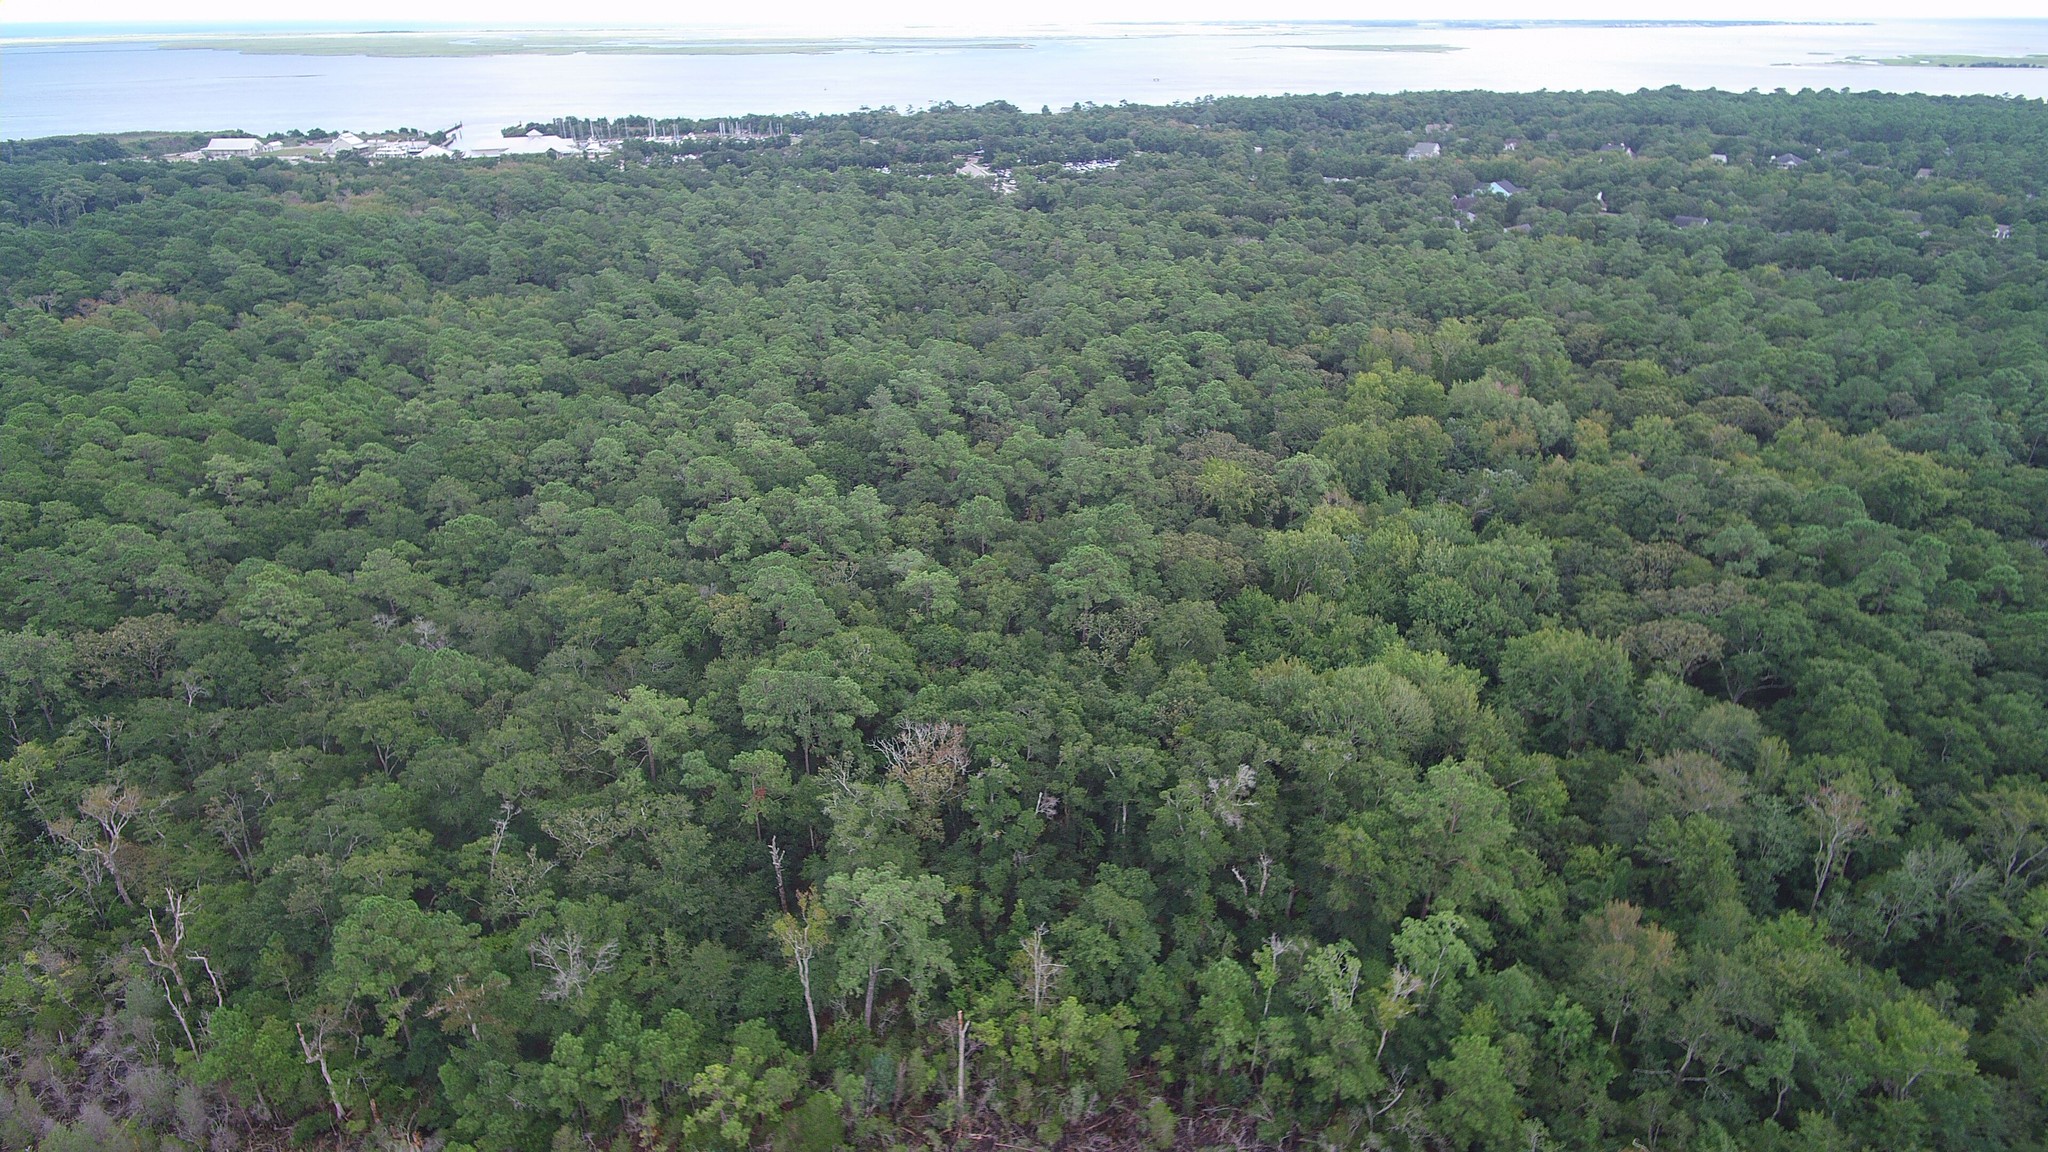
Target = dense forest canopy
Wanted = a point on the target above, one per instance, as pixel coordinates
(773, 643)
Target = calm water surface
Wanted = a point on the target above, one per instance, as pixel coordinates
(53, 88)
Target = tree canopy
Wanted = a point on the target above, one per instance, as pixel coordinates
(788, 645)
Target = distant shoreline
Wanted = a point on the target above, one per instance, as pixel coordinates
(1937, 60)
(1372, 47)
(408, 45)
(249, 77)
(186, 35)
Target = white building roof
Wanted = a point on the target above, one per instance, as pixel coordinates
(232, 144)
(528, 145)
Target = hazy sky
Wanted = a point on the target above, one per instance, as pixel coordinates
(908, 15)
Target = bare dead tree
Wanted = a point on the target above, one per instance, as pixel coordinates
(105, 812)
(315, 1053)
(1244, 885)
(1230, 797)
(192, 687)
(1041, 971)
(220, 999)
(516, 882)
(1276, 947)
(506, 811)
(958, 1028)
(461, 1003)
(106, 728)
(775, 859)
(1839, 814)
(571, 963)
(929, 758)
(801, 934)
(228, 818)
(165, 959)
(1396, 1003)
(429, 635)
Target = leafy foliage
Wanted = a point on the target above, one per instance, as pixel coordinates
(792, 646)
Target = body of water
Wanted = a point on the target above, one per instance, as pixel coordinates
(51, 87)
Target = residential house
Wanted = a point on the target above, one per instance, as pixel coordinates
(1500, 188)
(1619, 149)
(225, 147)
(1718, 157)
(1924, 174)
(1427, 150)
(406, 149)
(2002, 232)
(1787, 160)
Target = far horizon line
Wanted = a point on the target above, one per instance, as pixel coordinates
(42, 29)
